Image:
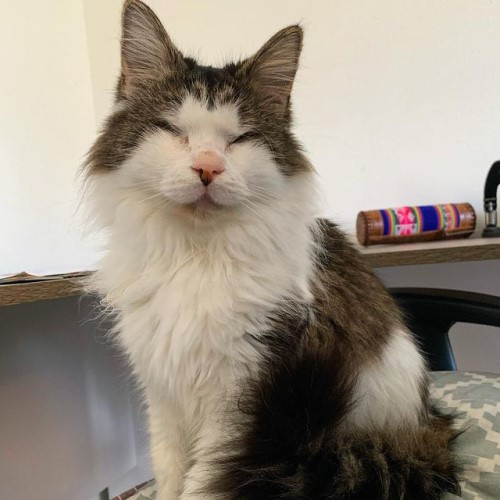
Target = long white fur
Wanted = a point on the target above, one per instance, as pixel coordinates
(388, 392)
(188, 290)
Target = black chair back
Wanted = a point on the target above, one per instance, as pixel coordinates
(430, 314)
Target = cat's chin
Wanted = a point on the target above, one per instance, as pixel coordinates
(206, 202)
(204, 206)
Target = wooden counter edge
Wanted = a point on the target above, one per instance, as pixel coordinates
(444, 255)
(32, 291)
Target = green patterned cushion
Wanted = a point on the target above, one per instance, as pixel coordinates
(475, 399)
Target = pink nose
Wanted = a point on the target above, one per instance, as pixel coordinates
(208, 165)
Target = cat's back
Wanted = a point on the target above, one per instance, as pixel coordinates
(345, 287)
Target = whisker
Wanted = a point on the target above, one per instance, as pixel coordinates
(247, 205)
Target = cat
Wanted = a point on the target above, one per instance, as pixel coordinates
(273, 362)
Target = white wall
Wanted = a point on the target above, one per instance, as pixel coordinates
(397, 102)
(46, 124)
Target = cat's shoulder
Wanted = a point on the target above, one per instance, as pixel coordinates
(339, 261)
(353, 289)
(334, 245)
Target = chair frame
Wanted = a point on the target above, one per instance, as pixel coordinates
(430, 314)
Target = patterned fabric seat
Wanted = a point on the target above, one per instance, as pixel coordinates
(475, 399)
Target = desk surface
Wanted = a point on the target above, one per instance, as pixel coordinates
(439, 252)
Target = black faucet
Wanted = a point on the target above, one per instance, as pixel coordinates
(490, 201)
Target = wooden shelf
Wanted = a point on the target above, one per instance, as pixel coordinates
(44, 288)
(436, 252)
(440, 252)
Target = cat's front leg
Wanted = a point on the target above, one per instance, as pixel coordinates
(203, 457)
(167, 448)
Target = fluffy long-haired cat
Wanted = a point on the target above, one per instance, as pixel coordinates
(274, 364)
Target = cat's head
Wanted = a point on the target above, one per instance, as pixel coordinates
(203, 140)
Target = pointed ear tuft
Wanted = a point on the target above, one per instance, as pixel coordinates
(272, 70)
(146, 50)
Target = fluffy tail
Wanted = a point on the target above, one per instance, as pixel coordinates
(295, 444)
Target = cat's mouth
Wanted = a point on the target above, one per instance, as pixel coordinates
(205, 201)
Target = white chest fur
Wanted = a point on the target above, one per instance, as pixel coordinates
(187, 296)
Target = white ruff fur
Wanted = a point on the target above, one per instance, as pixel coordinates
(188, 290)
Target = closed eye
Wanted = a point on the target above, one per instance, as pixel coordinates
(244, 137)
(167, 126)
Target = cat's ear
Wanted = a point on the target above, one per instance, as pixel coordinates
(147, 53)
(272, 69)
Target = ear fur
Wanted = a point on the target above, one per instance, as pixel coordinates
(272, 69)
(147, 53)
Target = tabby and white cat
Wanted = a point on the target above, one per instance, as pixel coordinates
(273, 362)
